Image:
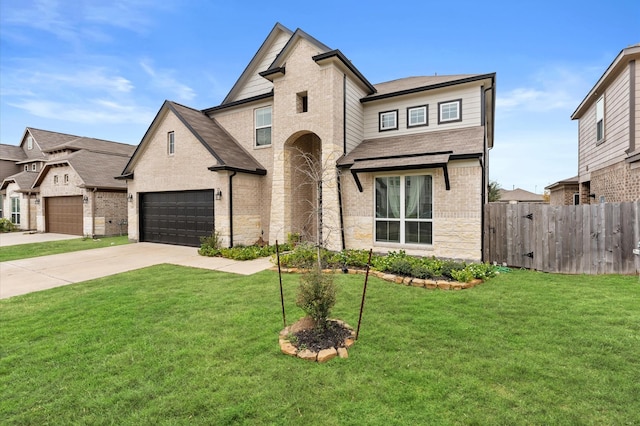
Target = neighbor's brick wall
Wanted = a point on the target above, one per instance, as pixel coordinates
(110, 211)
(563, 195)
(618, 183)
(456, 222)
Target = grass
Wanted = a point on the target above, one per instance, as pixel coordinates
(24, 251)
(175, 345)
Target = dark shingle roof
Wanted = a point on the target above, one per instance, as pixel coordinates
(417, 84)
(95, 145)
(11, 153)
(456, 142)
(95, 169)
(23, 179)
(229, 154)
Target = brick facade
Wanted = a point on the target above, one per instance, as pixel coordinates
(617, 183)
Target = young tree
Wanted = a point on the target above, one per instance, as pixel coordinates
(494, 191)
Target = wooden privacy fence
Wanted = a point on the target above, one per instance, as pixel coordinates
(583, 239)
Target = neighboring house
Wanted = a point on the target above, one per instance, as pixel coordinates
(519, 195)
(405, 163)
(609, 133)
(564, 192)
(66, 184)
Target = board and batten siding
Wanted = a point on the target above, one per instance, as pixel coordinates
(354, 115)
(471, 110)
(257, 85)
(616, 129)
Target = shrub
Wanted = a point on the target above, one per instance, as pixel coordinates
(317, 296)
(6, 225)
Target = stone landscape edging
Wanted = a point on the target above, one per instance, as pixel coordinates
(324, 355)
(397, 279)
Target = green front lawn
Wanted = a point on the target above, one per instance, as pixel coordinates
(176, 345)
(24, 251)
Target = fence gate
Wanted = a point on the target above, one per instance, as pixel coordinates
(583, 239)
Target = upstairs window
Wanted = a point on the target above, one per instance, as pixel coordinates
(34, 167)
(417, 116)
(449, 111)
(600, 120)
(55, 179)
(263, 126)
(171, 143)
(26, 167)
(388, 120)
(66, 179)
(302, 102)
(29, 142)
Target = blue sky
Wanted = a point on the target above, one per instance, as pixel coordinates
(103, 68)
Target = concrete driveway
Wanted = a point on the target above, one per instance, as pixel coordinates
(41, 273)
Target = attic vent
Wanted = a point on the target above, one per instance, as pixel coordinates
(29, 142)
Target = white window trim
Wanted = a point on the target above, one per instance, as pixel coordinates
(171, 143)
(426, 116)
(402, 219)
(26, 167)
(15, 210)
(66, 179)
(600, 101)
(446, 103)
(381, 114)
(29, 142)
(256, 127)
(34, 167)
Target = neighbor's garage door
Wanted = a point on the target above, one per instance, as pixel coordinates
(176, 217)
(64, 215)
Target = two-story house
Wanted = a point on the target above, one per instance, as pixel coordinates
(64, 183)
(305, 144)
(609, 133)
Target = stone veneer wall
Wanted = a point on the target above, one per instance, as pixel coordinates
(457, 214)
(618, 183)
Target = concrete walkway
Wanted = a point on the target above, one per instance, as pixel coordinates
(41, 273)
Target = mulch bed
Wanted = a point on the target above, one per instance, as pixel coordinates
(316, 340)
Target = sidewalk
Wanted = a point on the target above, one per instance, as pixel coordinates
(41, 273)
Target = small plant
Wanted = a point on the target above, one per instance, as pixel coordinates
(6, 225)
(293, 238)
(317, 296)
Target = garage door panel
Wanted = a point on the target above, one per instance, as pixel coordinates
(176, 217)
(64, 215)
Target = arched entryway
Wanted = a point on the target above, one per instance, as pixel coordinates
(303, 180)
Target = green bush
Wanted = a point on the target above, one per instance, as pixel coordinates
(6, 225)
(317, 296)
(211, 246)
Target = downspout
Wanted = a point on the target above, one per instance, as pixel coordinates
(231, 208)
(344, 151)
(483, 162)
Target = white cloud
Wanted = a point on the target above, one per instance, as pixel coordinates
(164, 80)
(95, 111)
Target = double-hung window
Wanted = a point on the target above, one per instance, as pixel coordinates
(171, 143)
(404, 209)
(417, 116)
(449, 111)
(263, 126)
(388, 120)
(600, 120)
(15, 210)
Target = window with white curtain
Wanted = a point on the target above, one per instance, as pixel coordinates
(404, 209)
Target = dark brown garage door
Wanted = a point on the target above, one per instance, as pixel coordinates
(64, 215)
(176, 217)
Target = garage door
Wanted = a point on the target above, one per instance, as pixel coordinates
(176, 217)
(64, 215)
